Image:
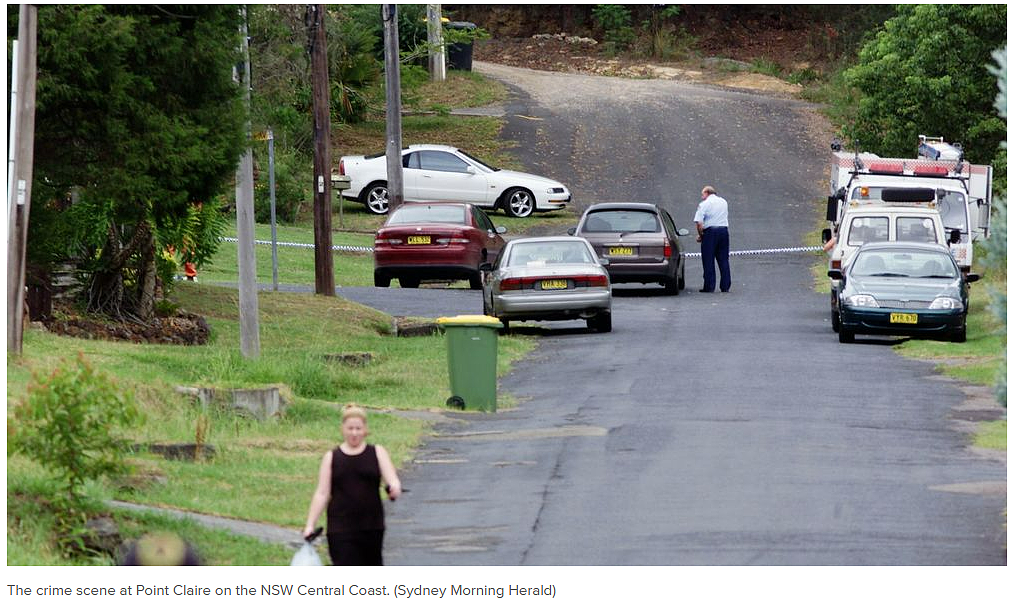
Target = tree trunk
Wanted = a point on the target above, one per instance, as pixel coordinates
(147, 277)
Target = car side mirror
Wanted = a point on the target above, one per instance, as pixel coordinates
(954, 236)
(471, 170)
(571, 231)
(603, 261)
(826, 235)
(972, 277)
(485, 267)
(835, 274)
(501, 229)
(683, 232)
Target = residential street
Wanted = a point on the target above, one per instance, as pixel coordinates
(706, 429)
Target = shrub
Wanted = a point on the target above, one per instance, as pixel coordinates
(70, 424)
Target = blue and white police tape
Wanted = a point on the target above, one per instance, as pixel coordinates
(765, 251)
(338, 247)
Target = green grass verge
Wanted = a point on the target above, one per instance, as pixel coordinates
(993, 435)
(262, 471)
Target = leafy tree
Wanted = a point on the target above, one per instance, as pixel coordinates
(995, 258)
(926, 73)
(139, 126)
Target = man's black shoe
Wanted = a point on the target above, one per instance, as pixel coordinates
(705, 290)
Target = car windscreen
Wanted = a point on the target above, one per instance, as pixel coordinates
(904, 263)
(950, 203)
(429, 214)
(621, 221)
(479, 161)
(536, 254)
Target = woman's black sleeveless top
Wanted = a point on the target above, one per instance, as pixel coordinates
(354, 492)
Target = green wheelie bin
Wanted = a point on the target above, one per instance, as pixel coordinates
(472, 343)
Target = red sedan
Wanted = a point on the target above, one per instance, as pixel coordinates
(435, 241)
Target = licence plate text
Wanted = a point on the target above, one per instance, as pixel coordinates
(554, 284)
(419, 239)
(622, 251)
(902, 318)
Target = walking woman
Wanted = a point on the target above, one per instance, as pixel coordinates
(348, 488)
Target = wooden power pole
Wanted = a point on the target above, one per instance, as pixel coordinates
(437, 57)
(322, 236)
(249, 309)
(20, 193)
(392, 64)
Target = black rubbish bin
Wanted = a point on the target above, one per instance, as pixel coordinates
(458, 56)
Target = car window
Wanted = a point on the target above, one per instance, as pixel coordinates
(411, 160)
(669, 222)
(868, 229)
(537, 254)
(481, 219)
(915, 229)
(428, 214)
(435, 160)
(478, 161)
(622, 221)
(952, 206)
(905, 263)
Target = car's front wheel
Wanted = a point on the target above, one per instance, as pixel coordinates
(846, 336)
(834, 318)
(519, 202)
(377, 198)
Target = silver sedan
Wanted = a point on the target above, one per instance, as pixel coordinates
(548, 278)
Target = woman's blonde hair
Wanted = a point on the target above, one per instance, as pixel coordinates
(352, 410)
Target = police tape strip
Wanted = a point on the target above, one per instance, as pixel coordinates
(354, 249)
(369, 249)
(766, 251)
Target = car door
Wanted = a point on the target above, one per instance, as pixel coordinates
(493, 241)
(443, 176)
(409, 174)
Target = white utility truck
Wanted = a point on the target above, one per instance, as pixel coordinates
(938, 178)
(936, 197)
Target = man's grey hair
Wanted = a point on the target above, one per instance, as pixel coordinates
(709, 190)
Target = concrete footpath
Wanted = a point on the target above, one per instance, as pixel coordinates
(267, 533)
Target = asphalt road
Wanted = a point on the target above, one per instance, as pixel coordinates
(706, 429)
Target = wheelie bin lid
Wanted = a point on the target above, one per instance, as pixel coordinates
(470, 320)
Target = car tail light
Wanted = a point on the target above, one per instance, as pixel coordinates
(340, 168)
(382, 240)
(667, 248)
(515, 283)
(836, 264)
(445, 241)
(590, 281)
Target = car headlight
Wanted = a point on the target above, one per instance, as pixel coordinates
(860, 300)
(946, 302)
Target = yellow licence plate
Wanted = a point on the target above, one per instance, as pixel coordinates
(554, 284)
(902, 318)
(621, 251)
(419, 239)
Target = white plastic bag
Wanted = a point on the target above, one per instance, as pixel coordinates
(306, 556)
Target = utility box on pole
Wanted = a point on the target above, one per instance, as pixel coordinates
(391, 54)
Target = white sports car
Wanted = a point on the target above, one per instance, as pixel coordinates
(443, 173)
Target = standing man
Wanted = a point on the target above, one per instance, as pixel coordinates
(711, 226)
